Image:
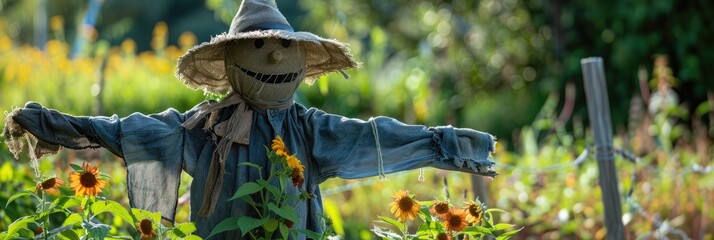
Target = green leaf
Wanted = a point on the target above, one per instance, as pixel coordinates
(192, 237)
(52, 234)
(386, 233)
(63, 202)
(508, 235)
(85, 200)
(18, 224)
(271, 224)
(424, 214)
(245, 224)
(309, 234)
(284, 231)
(227, 224)
(18, 195)
(502, 226)
(477, 230)
(113, 207)
(119, 237)
(704, 108)
(184, 229)
(72, 219)
(104, 176)
(70, 234)
(394, 222)
(495, 210)
(140, 214)
(76, 167)
(272, 189)
(246, 189)
(286, 212)
(96, 230)
(248, 223)
(43, 215)
(423, 228)
(250, 164)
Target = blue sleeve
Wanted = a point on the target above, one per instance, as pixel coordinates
(152, 146)
(353, 148)
(155, 147)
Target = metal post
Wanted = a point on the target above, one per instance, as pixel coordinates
(599, 112)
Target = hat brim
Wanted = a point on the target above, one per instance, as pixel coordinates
(202, 66)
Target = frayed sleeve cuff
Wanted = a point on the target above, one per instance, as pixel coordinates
(464, 150)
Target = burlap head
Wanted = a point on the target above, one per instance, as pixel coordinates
(202, 67)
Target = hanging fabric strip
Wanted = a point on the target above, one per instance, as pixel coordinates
(380, 161)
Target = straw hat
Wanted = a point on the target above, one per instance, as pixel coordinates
(202, 67)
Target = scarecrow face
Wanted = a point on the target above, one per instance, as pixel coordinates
(265, 69)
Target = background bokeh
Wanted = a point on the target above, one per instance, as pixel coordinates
(510, 68)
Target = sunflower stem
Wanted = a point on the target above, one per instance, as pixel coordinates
(46, 222)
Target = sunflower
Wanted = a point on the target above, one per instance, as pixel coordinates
(475, 211)
(294, 163)
(146, 228)
(279, 147)
(404, 205)
(86, 181)
(440, 208)
(297, 177)
(38, 230)
(50, 186)
(455, 220)
(443, 236)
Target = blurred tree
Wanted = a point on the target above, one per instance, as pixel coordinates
(630, 34)
(118, 19)
(484, 64)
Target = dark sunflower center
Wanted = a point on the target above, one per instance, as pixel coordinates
(145, 227)
(406, 204)
(49, 183)
(441, 208)
(455, 221)
(88, 179)
(475, 211)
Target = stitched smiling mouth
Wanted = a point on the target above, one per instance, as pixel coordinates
(272, 78)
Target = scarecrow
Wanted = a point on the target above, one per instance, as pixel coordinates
(259, 63)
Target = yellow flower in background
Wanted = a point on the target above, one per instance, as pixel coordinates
(56, 23)
(455, 220)
(187, 40)
(128, 47)
(49, 186)
(475, 211)
(440, 208)
(146, 228)
(5, 43)
(279, 147)
(404, 205)
(86, 181)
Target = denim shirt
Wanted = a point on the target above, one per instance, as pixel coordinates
(156, 148)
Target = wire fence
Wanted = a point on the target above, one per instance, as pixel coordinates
(662, 228)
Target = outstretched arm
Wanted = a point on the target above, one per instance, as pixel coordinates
(154, 147)
(352, 148)
(53, 129)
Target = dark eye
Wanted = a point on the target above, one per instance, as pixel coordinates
(285, 42)
(258, 43)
